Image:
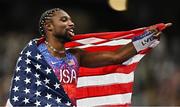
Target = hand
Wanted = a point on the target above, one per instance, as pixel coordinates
(160, 27)
(157, 36)
(144, 40)
(150, 38)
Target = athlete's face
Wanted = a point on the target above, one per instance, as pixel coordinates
(62, 26)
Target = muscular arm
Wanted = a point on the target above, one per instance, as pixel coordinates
(97, 59)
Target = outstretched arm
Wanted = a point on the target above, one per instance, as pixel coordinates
(98, 59)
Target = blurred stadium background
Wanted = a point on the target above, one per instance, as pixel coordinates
(157, 79)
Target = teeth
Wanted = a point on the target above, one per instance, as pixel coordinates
(71, 30)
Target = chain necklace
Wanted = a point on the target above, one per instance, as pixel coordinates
(53, 49)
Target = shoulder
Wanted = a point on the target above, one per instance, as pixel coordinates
(76, 51)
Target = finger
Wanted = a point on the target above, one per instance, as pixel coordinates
(154, 32)
(168, 24)
(158, 34)
(152, 29)
(154, 44)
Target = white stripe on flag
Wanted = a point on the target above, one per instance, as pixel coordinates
(105, 79)
(120, 37)
(115, 42)
(86, 46)
(90, 40)
(134, 59)
(105, 100)
(8, 103)
(109, 43)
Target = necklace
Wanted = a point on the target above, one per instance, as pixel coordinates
(53, 49)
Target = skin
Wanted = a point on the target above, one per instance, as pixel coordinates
(57, 29)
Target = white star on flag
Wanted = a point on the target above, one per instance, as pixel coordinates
(26, 100)
(28, 53)
(48, 70)
(38, 83)
(37, 75)
(38, 93)
(38, 56)
(30, 43)
(68, 103)
(46, 81)
(27, 80)
(58, 100)
(37, 103)
(17, 78)
(16, 88)
(38, 66)
(28, 61)
(15, 98)
(48, 105)
(56, 85)
(18, 69)
(48, 96)
(28, 70)
(27, 90)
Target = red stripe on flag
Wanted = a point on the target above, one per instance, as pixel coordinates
(72, 44)
(102, 48)
(107, 70)
(101, 42)
(104, 35)
(108, 35)
(115, 35)
(95, 91)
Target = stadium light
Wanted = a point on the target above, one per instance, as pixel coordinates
(118, 5)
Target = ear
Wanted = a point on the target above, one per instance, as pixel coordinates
(48, 26)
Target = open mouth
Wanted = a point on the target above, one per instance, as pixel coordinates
(70, 32)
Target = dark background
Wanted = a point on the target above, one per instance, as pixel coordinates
(157, 78)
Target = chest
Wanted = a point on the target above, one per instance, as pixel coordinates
(66, 70)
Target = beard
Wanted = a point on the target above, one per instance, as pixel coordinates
(64, 38)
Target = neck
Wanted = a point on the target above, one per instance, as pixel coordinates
(57, 44)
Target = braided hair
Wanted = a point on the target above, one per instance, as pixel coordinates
(46, 16)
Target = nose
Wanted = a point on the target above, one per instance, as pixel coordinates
(71, 23)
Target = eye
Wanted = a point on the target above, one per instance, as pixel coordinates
(64, 19)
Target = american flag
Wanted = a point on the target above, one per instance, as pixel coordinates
(110, 85)
(34, 83)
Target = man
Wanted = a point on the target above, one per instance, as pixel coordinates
(50, 78)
